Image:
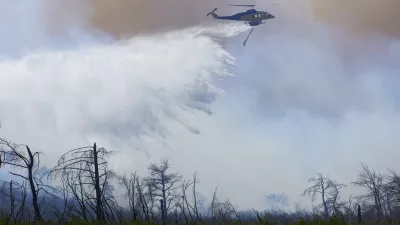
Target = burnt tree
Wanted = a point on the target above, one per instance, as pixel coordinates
(16, 193)
(129, 183)
(164, 184)
(29, 163)
(327, 189)
(89, 166)
(374, 183)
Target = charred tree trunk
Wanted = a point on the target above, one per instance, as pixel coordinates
(164, 200)
(326, 213)
(359, 217)
(38, 216)
(142, 201)
(162, 203)
(99, 207)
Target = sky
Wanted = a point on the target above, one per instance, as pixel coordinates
(305, 95)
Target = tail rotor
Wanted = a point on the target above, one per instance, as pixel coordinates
(212, 11)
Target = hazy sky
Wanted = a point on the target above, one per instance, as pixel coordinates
(301, 101)
(361, 15)
(122, 16)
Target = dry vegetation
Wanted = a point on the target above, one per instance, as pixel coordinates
(85, 194)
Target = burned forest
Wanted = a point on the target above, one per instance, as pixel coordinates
(80, 189)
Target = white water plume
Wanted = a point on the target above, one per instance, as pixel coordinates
(124, 91)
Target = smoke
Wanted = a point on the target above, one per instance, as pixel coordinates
(361, 23)
(127, 16)
(121, 18)
(310, 104)
(365, 16)
(301, 100)
(45, 25)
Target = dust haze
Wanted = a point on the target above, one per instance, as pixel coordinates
(126, 17)
(360, 21)
(359, 26)
(130, 16)
(362, 16)
(121, 17)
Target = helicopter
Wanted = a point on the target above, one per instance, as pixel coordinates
(250, 16)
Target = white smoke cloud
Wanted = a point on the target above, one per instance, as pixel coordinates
(302, 108)
(44, 25)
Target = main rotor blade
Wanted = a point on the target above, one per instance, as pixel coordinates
(242, 5)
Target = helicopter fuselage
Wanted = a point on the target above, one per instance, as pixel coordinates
(250, 15)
